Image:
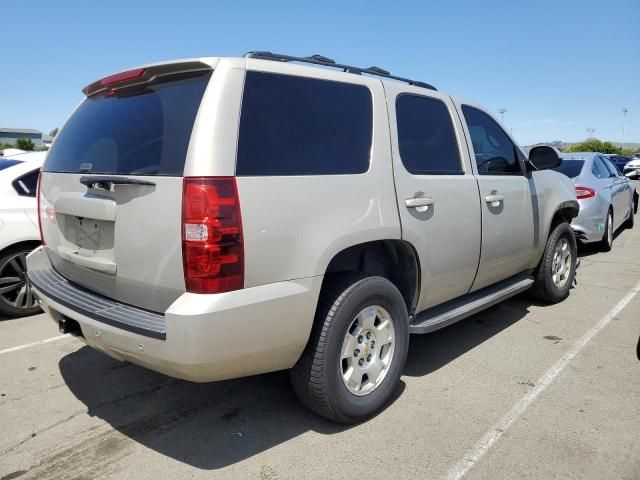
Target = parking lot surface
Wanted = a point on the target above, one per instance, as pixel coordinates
(519, 391)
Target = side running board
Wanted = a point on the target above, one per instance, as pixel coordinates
(450, 312)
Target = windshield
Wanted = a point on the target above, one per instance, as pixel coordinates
(571, 168)
(144, 130)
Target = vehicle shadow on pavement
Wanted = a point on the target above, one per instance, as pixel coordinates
(428, 353)
(593, 248)
(215, 425)
(208, 426)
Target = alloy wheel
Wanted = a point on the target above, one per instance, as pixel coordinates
(367, 350)
(15, 289)
(561, 265)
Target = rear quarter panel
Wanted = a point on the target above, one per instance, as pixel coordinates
(15, 223)
(294, 225)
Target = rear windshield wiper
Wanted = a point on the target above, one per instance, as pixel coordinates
(106, 182)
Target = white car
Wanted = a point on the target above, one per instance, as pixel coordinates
(632, 168)
(9, 152)
(19, 232)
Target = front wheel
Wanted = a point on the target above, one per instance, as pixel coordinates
(357, 349)
(632, 214)
(554, 276)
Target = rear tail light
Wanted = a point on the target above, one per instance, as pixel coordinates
(585, 192)
(212, 243)
(39, 212)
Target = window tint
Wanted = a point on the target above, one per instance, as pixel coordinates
(6, 163)
(571, 168)
(27, 184)
(426, 138)
(494, 151)
(303, 126)
(611, 167)
(599, 169)
(142, 130)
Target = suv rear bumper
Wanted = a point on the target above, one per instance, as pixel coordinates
(206, 337)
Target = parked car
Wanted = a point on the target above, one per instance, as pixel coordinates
(608, 200)
(632, 168)
(618, 160)
(222, 217)
(9, 152)
(19, 233)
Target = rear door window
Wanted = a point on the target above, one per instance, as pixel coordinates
(294, 125)
(143, 130)
(426, 139)
(611, 167)
(599, 169)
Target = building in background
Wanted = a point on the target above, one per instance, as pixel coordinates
(11, 135)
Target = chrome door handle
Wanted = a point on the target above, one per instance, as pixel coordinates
(419, 202)
(494, 199)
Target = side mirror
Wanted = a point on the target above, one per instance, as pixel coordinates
(544, 157)
(631, 173)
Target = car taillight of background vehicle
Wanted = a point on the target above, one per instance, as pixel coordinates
(584, 192)
(212, 243)
(39, 212)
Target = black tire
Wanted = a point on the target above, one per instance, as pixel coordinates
(317, 376)
(9, 258)
(632, 215)
(544, 288)
(606, 244)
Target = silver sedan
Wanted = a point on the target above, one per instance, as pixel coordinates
(608, 200)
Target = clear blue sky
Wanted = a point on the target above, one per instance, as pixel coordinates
(558, 66)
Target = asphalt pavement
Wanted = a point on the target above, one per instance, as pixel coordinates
(522, 390)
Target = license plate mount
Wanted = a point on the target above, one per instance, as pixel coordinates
(88, 233)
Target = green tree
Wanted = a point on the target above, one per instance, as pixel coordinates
(594, 145)
(53, 132)
(25, 144)
(627, 152)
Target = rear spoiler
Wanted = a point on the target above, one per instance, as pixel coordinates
(141, 76)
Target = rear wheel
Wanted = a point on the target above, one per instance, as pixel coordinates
(557, 269)
(632, 217)
(357, 349)
(607, 239)
(16, 296)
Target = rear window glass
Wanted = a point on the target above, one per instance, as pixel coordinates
(141, 130)
(571, 168)
(426, 138)
(303, 126)
(5, 163)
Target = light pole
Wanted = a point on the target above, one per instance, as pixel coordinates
(590, 132)
(502, 111)
(624, 123)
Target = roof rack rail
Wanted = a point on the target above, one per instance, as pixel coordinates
(328, 62)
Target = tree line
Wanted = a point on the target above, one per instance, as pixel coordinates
(595, 145)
